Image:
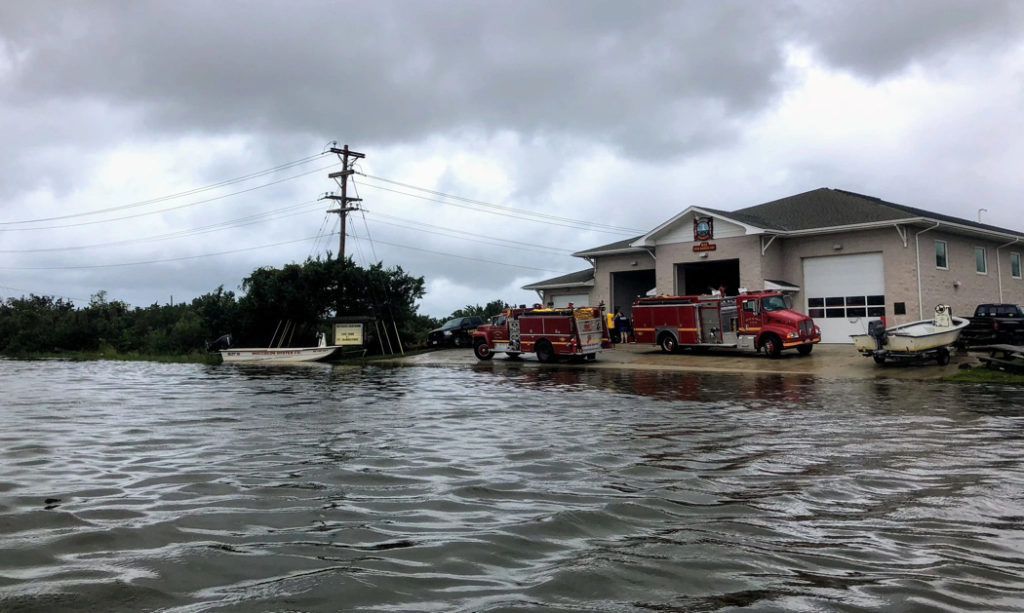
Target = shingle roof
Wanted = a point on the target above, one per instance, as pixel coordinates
(622, 245)
(579, 278)
(828, 208)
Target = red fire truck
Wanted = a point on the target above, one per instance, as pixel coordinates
(754, 321)
(548, 332)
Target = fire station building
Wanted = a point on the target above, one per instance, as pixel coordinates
(842, 257)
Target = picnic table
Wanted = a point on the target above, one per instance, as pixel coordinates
(1008, 358)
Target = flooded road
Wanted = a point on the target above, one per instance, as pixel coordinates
(185, 488)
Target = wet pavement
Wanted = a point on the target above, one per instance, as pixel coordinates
(826, 361)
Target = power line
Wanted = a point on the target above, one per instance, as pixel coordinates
(499, 209)
(173, 208)
(462, 257)
(182, 194)
(224, 225)
(441, 231)
(163, 261)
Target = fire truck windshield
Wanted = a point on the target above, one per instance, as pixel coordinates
(773, 303)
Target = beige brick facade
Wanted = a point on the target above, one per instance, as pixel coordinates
(767, 254)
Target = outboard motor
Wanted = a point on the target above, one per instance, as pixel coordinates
(943, 316)
(876, 330)
(223, 342)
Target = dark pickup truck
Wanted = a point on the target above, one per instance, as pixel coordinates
(994, 323)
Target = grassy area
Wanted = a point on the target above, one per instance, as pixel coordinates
(984, 375)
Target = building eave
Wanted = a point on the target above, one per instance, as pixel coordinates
(542, 285)
(889, 223)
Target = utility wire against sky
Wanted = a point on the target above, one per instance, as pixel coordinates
(224, 225)
(278, 244)
(189, 192)
(447, 199)
(498, 209)
(173, 208)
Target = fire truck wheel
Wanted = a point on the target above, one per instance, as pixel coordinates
(772, 346)
(668, 343)
(482, 350)
(804, 349)
(545, 353)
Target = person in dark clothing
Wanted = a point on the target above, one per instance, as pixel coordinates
(622, 325)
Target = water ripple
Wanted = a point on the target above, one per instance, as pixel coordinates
(136, 486)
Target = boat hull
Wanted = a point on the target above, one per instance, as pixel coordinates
(282, 355)
(915, 337)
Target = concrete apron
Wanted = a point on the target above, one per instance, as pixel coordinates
(826, 361)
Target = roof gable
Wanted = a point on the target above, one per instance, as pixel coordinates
(679, 229)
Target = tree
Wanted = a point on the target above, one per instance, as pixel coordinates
(308, 293)
(487, 311)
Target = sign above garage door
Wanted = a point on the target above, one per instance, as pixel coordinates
(843, 293)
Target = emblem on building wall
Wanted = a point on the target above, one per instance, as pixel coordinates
(703, 230)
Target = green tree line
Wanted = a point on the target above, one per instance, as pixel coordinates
(305, 294)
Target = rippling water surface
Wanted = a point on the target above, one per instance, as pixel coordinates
(139, 486)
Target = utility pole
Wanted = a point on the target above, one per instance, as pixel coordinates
(343, 200)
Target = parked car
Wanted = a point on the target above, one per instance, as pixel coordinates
(993, 324)
(456, 332)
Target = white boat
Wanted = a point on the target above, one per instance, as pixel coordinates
(278, 355)
(918, 339)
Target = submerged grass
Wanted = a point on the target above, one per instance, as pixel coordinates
(984, 375)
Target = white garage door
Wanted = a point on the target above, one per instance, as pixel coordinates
(575, 299)
(843, 293)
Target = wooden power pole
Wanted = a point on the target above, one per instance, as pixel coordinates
(343, 200)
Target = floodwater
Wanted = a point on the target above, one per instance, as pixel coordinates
(187, 488)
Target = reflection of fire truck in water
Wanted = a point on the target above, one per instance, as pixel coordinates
(550, 333)
(752, 321)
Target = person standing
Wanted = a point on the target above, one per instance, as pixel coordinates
(622, 326)
(611, 326)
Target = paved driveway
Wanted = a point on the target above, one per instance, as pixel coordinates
(828, 361)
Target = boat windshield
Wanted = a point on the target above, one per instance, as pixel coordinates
(773, 303)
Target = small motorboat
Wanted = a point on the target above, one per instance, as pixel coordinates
(925, 339)
(273, 355)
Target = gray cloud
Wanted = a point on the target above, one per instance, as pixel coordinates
(664, 85)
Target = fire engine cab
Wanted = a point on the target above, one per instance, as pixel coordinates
(753, 321)
(548, 332)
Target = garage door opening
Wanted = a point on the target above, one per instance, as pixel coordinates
(844, 293)
(704, 277)
(629, 285)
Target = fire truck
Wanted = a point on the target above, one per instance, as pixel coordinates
(549, 332)
(753, 321)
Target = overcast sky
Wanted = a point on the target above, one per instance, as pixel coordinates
(162, 149)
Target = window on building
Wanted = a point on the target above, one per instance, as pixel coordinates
(1015, 265)
(836, 307)
(980, 261)
(940, 255)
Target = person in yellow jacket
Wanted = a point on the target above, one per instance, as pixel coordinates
(611, 327)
